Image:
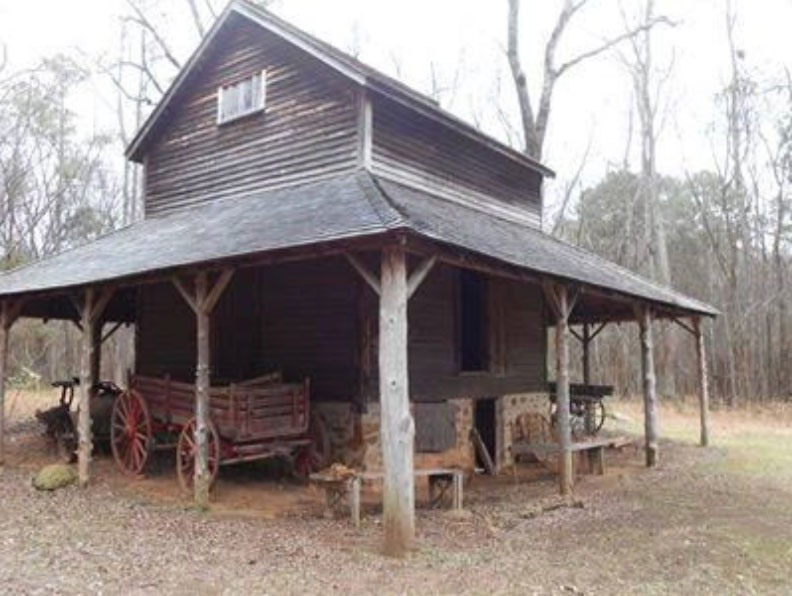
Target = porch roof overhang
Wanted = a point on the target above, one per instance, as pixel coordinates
(356, 207)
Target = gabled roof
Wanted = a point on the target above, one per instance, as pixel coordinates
(352, 206)
(343, 63)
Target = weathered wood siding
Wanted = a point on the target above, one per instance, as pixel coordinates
(299, 318)
(413, 149)
(308, 130)
(308, 319)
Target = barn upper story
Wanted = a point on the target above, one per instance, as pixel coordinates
(263, 105)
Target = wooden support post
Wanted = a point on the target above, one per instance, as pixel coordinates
(397, 428)
(566, 475)
(202, 301)
(586, 345)
(558, 296)
(644, 315)
(703, 381)
(202, 384)
(91, 309)
(8, 314)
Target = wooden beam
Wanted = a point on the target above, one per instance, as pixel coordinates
(214, 295)
(188, 296)
(112, 331)
(9, 312)
(419, 275)
(565, 472)
(202, 387)
(397, 427)
(364, 129)
(651, 432)
(689, 329)
(703, 382)
(367, 275)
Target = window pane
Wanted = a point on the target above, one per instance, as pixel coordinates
(245, 96)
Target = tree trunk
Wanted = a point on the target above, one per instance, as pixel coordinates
(649, 386)
(396, 423)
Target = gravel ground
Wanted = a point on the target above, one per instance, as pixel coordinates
(688, 527)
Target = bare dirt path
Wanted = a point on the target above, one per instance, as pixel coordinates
(699, 524)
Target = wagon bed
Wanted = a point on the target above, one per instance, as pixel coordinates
(254, 419)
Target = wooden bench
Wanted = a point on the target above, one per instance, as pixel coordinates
(338, 487)
(591, 453)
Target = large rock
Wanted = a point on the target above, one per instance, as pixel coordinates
(55, 476)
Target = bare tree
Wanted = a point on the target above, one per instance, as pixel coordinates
(535, 116)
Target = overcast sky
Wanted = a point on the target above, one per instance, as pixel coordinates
(465, 38)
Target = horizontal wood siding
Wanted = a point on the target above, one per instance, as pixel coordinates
(165, 334)
(310, 325)
(308, 130)
(515, 318)
(417, 151)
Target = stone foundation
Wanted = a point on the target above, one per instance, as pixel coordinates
(508, 409)
(355, 437)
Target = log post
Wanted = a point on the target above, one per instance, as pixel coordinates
(202, 384)
(651, 431)
(703, 381)
(202, 302)
(8, 314)
(566, 476)
(586, 345)
(559, 299)
(91, 310)
(397, 428)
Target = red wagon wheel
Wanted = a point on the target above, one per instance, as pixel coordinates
(187, 452)
(130, 432)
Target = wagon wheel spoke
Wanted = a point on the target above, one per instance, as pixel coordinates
(130, 432)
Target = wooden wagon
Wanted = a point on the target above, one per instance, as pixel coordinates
(251, 420)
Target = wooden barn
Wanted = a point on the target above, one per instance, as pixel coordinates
(317, 231)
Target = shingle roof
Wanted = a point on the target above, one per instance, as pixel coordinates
(351, 206)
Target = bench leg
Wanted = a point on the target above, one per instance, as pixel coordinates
(456, 503)
(596, 460)
(354, 500)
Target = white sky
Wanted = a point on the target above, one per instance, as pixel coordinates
(467, 36)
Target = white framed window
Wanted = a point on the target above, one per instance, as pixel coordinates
(242, 98)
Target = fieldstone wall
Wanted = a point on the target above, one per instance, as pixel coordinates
(459, 456)
(343, 424)
(508, 409)
(355, 437)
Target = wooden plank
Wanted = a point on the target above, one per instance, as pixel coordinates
(397, 428)
(483, 452)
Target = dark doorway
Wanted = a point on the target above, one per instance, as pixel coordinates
(473, 355)
(485, 423)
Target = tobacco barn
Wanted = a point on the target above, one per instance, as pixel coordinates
(318, 234)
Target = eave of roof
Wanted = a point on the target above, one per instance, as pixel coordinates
(346, 65)
(348, 207)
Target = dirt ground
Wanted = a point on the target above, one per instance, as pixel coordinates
(715, 521)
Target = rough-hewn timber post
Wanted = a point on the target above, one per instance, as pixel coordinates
(651, 430)
(96, 355)
(396, 423)
(565, 473)
(91, 310)
(703, 381)
(8, 315)
(202, 384)
(202, 302)
(586, 345)
(84, 430)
